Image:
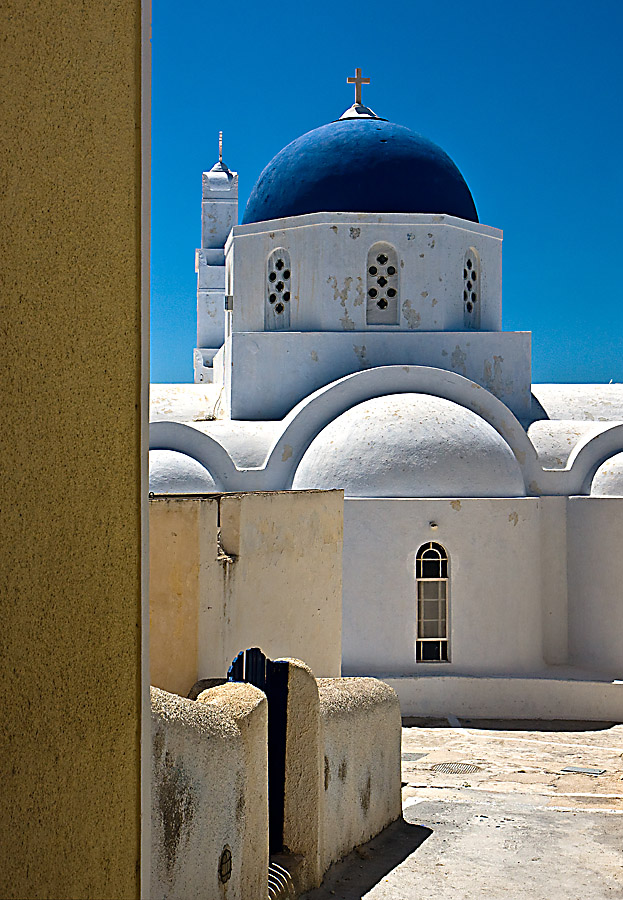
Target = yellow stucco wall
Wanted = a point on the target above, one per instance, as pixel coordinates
(70, 438)
(183, 550)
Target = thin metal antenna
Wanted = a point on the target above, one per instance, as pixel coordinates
(220, 146)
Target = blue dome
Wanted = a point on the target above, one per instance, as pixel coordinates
(366, 165)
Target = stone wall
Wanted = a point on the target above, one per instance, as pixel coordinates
(342, 772)
(210, 795)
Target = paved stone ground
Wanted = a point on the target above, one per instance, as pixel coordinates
(516, 828)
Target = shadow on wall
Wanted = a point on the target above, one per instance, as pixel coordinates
(361, 870)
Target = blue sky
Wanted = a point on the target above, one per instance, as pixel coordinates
(524, 97)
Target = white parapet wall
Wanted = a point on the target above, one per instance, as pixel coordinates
(556, 693)
(209, 820)
(361, 791)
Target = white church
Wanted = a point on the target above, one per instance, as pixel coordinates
(349, 335)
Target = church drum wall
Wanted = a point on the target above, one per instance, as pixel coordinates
(306, 361)
(495, 614)
(329, 256)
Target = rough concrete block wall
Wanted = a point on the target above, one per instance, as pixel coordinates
(70, 307)
(210, 795)
(361, 730)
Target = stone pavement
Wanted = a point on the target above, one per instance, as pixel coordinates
(517, 827)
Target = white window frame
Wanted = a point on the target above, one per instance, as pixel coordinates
(442, 583)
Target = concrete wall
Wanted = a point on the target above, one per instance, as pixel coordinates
(284, 589)
(361, 731)
(595, 579)
(273, 582)
(495, 615)
(554, 579)
(210, 792)
(70, 444)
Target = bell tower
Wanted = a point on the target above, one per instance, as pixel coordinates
(219, 214)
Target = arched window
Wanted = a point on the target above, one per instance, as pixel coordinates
(471, 289)
(278, 285)
(431, 571)
(382, 285)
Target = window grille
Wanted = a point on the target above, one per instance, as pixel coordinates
(431, 571)
(278, 291)
(382, 285)
(471, 289)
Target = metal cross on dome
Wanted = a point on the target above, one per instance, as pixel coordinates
(357, 81)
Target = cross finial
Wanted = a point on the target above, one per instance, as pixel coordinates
(358, 81)
(220, 146)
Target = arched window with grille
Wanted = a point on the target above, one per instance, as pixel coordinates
(431, 571)
(277, 291)
(382, 285)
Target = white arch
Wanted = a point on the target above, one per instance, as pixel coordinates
(311, 415)
(588, 455)
(202, 447)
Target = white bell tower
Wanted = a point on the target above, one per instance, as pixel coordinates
(219, 214)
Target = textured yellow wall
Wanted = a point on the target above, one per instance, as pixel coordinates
(69, 445)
